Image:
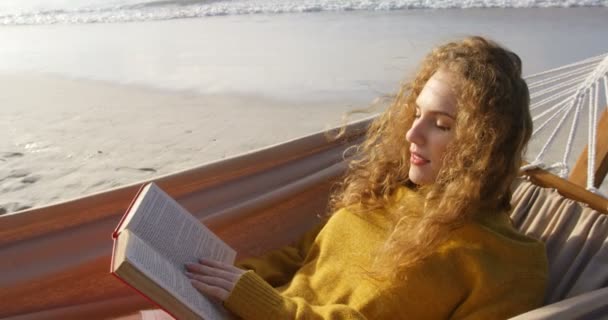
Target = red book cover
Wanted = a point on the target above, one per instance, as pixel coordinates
(115, 233)
(122, 219)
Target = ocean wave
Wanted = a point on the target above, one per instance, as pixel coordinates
(137, 11)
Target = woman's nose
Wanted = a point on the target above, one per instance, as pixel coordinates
(415, 134)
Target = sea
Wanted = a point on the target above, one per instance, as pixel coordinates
(317, 50)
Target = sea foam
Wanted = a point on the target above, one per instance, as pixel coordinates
(97, 11)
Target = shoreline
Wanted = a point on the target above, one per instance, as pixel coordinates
(73, 138)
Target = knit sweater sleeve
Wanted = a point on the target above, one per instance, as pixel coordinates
(252, 298)
(277, 267)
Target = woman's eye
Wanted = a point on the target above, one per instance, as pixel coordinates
(443, 128)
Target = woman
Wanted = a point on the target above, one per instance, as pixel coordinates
(420, 228)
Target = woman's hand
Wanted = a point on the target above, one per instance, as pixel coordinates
(213, 278)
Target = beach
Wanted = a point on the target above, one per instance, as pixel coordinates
(99, 136)
(90, 107)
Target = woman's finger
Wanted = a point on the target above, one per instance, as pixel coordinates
(211, 271)
(213, 281)
(209, 290)
(218, 265)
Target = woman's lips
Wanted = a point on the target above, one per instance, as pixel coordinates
(418, 160)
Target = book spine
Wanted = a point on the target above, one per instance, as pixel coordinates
(122, 219)
(112, 256)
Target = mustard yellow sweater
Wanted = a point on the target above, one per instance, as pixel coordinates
(487, 270)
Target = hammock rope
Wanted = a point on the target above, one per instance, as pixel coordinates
(606, 88)
(560, 79)
(556, 106)
(573, 130)
(575, 72)
(553, 97)
(565, 92)
(553, 135)
(582, 62)
(568, 83)
(593, 96)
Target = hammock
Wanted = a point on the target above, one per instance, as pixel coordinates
(55, 259)
(570, 93)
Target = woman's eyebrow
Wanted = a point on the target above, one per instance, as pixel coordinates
(439, 112)
(443, 113)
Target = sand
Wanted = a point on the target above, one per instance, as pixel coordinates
(68, 138)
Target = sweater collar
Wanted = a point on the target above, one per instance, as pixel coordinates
(486, 217)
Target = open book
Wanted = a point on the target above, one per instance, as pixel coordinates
(153, 241)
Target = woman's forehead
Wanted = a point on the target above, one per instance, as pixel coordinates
(437, 95)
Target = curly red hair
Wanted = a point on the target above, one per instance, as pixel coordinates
(493, 126)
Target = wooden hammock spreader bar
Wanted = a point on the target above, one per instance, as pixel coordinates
(579, 172)
(568, 189)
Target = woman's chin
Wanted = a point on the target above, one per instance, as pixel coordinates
(419, 177)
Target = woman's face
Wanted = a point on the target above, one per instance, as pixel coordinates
(432, 129)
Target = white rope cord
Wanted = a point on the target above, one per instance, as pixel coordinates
(590, 80)
(553, 134)
(560, 79)
(573, 127)
(588, 60)
(561, 92)
(552, 76)
(590, 150)
(560, 76)
(593, 98)
(562, 109)
(540, 165)
(606, 89)
(570, 82)
(544, 101)
(601, 70)
(557, 105)
(603, 64)
(592, 83)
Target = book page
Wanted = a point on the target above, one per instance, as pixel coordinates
(176, 235)
(167, 227)
(165, 274)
